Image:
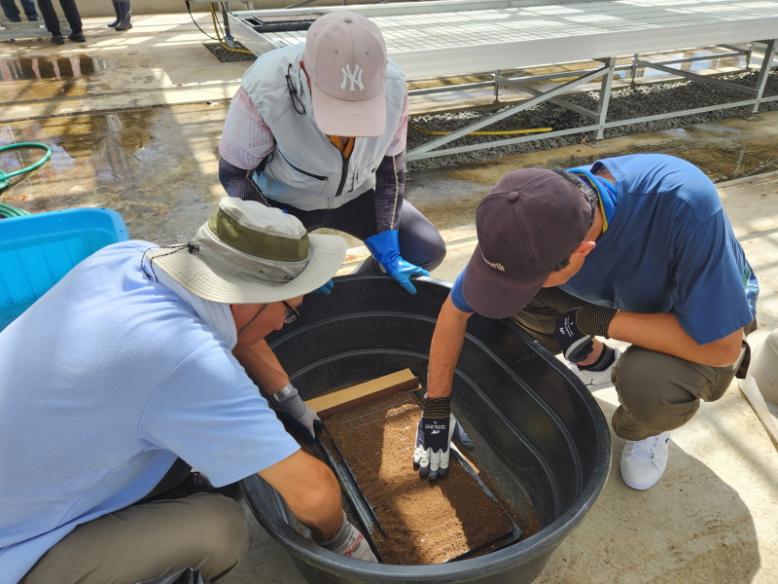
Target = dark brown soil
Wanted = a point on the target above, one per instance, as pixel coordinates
(422, 523)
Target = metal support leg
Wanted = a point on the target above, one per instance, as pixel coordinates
(228, 39)
(764, 73)
(633, 72)
(605, 96)
(497, 75)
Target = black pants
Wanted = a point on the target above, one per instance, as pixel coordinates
(50, 16)
(12, 11)
(420, 242)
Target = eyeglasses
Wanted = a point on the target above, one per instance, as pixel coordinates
(292, 314)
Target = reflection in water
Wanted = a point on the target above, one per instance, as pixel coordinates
(88, 150)
(40, 68)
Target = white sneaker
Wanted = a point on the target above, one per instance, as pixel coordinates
(594, 380)
(644, 462)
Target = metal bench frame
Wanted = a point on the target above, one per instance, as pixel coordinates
(700, 23)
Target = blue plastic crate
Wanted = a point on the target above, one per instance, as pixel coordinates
(37, 250)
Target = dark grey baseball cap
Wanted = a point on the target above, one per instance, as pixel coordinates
(532, 220)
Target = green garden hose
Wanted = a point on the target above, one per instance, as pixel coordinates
(7, 211)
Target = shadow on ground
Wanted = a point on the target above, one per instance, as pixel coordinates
(692, 527)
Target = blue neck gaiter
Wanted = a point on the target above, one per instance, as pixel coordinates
(605, 190)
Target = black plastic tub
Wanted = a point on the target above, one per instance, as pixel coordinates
(541, 423)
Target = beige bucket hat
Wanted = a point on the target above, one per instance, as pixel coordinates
(248, 253)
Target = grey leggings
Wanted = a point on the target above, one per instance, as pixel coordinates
(420, 242)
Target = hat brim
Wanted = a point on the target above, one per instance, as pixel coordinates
(494, 295)
(326, 256)
(335, 117)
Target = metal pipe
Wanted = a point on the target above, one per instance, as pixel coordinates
(605, 97)
(493, 144)
(701, 78)
(764, 73)
(562, 102)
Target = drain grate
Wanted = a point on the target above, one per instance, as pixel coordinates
(227, 56)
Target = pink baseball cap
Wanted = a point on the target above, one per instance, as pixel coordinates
(345, 58)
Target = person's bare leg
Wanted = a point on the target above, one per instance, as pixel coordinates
(312, 492)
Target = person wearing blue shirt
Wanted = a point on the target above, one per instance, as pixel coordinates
(636, 248)
(126, 373)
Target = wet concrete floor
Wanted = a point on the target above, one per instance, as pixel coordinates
(158, 165)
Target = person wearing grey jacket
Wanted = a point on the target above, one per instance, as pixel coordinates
(319, 130)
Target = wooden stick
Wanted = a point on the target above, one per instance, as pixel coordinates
(751, 391)
(330, 403)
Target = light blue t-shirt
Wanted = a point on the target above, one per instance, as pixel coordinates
(104, 382)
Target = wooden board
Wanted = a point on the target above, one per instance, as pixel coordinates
(336, 401)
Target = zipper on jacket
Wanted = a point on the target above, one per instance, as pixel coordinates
(343, 174)
(301, 171)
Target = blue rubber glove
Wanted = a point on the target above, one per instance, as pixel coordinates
(385, 247)
(326, 289)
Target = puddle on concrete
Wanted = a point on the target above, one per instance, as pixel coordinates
(723, 158)
(51, 68)
(723, 150)
(156, 166)
(109, 144)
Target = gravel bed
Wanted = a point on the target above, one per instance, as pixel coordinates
(638, 101)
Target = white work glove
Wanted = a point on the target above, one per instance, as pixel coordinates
(351, 543)
(436, 428)
(295, 414)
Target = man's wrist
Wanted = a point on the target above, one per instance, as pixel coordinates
(594, 320)
(283, 393)
(437, 393)
(436, 408)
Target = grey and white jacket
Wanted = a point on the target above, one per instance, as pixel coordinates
(305, 170)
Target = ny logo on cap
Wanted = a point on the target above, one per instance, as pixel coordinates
(354, 78)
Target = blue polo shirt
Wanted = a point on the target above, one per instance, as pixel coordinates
(104, 382)
(668, 247)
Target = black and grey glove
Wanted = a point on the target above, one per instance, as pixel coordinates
(351, 543)
(295, 413)
(575, 329)
(437, 427)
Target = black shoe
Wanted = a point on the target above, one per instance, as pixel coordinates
(77, 37)
(32, 18)
(58, 39)
(14, 19)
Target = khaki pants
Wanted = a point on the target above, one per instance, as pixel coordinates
(657, 392)
(148, 540)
